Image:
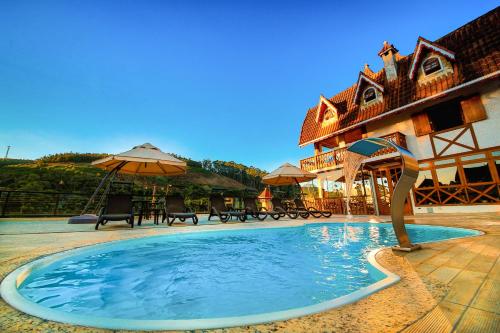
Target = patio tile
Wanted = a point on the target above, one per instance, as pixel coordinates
(464, 287)
(488, 298)
(444, 274)
(441, 319)
(478, 321)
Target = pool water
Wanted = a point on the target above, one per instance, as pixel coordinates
(218, 274)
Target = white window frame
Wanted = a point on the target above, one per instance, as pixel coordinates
(433, 73)
(373, 100)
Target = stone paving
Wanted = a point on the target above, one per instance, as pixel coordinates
(450, 286)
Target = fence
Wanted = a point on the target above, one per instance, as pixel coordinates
(14, 203)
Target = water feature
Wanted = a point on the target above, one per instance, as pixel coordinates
(352, 162)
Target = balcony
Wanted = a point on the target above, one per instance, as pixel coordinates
(335, 157)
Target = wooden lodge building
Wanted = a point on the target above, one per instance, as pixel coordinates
(442, 103)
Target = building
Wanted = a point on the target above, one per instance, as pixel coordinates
(442, 102)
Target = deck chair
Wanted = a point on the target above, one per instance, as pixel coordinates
(299, 204)
(118, 207)
(175, 208)
(218, 208)
(252, 210)
(285, 210)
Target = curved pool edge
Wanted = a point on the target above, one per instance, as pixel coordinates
(10, 294)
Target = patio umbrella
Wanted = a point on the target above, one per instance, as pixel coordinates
(288, 174)
(144, 159)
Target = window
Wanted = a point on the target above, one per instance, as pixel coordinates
(424, 179)
(328, 115)
(431, 65)
(477, 172)
(470, 183)
(448, 176)
(445, 116)
(369, 95)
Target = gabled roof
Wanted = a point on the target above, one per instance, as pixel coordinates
(424, 44)
(476, 48)
(320, 111)
(359, 85)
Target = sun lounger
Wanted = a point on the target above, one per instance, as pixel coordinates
(252, 210)
(299, 204)
(285, 210)
(119, 207)
(175, 208)
(218, 208)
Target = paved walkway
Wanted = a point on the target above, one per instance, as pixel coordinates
(450, 286)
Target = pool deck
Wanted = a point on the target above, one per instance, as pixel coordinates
(449, 286)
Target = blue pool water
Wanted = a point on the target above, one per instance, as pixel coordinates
(218, 274)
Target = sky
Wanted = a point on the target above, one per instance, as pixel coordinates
(228, 80)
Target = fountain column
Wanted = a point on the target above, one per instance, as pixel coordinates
(409, 174)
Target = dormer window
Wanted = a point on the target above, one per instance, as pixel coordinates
(326, 112)
(431, 65)
(369, 95)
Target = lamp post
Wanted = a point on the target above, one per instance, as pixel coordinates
(7, 152)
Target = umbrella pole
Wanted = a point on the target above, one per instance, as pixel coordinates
(101, 184)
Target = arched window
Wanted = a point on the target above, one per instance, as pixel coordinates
(328, 115)
(369, 95)
(431, 65)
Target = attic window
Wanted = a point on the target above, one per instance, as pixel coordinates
(328, 115)
(431, 65)
(369, 95)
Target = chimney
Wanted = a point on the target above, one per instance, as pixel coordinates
(390, 55)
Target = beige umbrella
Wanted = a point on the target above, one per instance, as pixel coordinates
(288, 174)
(146, 160)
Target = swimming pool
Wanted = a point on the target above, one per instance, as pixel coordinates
(211, 279)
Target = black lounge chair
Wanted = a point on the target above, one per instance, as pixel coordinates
(175, 208)
(285, 210)
(252, 210)
(218, 208)
(299, 204)
(119, 207)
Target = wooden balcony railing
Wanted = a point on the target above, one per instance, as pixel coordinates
(335, 157)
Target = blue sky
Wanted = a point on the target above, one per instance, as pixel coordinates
(227, 80)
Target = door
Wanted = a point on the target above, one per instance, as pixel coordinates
(385, 181)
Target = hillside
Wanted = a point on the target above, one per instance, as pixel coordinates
(71, 172)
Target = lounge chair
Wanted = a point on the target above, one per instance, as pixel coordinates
(285, 210)
(252, 210)
(218, 208)
(299, 204)
(175, 208)
(119, 207)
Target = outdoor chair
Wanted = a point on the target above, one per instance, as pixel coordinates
(275, 215)
(252, 210)
(285, 210)
(175, 208)
(299, 204)
(119, 207)
(218, 208)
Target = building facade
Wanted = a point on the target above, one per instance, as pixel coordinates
(442, 103)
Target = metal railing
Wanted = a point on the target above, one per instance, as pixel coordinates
(16, 203)
(335, 157)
